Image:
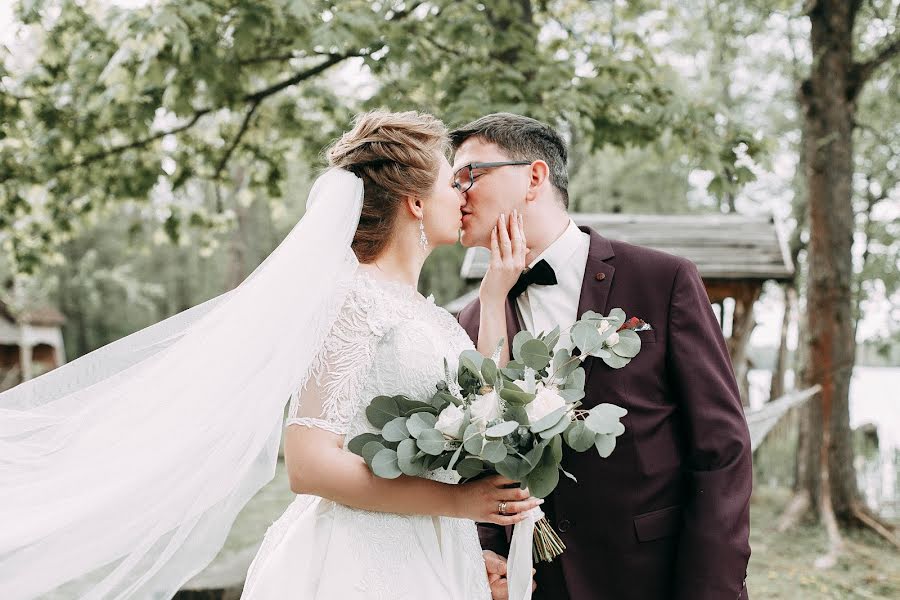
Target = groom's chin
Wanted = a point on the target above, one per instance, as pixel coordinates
(469, 241)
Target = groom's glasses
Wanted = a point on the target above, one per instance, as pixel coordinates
(465, 177)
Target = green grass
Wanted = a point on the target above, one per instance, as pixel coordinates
(782, 564)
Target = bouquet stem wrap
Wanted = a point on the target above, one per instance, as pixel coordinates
(519, 562)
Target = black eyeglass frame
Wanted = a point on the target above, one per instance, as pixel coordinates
(483, 165)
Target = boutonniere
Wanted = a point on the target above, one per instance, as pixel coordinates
(611, 338)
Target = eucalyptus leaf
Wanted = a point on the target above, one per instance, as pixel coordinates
(567, 474)
(442, 399)
(370, 450)
(563, 365)
(544, 478)
(501, 429)
(439, 462)
(615, 361)
(406, 459)
(586, 337)
(556, 448)
(516, 398)
(385, 464)
(533, 456)
(552, 338)
(616, 317)
(356, 444)
(512, 373)
(560, 427)
(494, 451)
(510, 467)
(431, 441)
(579, 437)
(472, 359)
(576, 379)
(603, 418)
(395, 430)
(455, 458)
(520, 338)
(473, 439)
(517, 414)
(605, 444)
(489, 371)
(629, 344)
(571, 396)
(549, 420)
(535, 354)
(406, 405)
(382, 410)
(470, 467)
(419, 422)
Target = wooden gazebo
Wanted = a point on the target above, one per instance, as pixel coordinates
(735, 255)
(31, 343)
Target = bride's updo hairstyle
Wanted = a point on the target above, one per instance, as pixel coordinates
(395, 154)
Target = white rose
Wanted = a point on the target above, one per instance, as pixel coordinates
(546, 401)
(612, 340)
(485, 408)
(449, 421)
(603, 326)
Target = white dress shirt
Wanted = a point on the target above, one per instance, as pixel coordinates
(543, 307)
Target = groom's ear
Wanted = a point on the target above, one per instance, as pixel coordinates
(540, 173)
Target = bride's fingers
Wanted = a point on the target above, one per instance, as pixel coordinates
(505, 244)
(503, 520)
(495, 247)
(516, 235)
(514, 508)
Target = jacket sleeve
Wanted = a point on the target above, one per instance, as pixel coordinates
(714, 547)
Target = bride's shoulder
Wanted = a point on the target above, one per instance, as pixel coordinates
(377, 304)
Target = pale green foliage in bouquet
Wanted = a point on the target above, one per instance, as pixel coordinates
(511, 420)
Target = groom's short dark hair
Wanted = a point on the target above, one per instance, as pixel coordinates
(523, 138)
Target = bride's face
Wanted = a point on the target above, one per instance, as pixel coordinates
(443, 208)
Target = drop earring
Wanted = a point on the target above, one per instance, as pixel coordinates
(423, 239)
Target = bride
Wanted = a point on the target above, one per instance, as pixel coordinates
(122, 472)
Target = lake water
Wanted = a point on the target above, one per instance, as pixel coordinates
(874, 399)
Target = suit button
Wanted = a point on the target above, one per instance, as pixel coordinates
(600, 276)
(564, 525)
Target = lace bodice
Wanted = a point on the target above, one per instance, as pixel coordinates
(387, 339)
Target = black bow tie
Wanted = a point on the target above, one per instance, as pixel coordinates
(541, 273)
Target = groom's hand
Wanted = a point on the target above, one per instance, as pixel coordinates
(496, 572)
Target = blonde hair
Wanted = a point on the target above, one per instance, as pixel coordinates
(395, 154)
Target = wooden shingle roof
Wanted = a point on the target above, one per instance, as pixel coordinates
(724, 247)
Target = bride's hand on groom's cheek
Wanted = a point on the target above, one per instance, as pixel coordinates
(508, 252)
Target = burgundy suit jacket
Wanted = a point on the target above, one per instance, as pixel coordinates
(666, 516)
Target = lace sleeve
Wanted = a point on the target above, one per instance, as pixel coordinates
(333, 391)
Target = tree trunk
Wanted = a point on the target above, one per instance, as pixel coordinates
(828, 112)
(776, 389)
(742, 325)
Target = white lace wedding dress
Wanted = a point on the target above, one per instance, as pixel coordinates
(388, 340)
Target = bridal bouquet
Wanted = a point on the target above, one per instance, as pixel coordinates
(511, 420)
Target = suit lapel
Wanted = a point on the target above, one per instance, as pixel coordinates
(598, 276)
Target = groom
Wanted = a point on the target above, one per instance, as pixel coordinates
(666, 516)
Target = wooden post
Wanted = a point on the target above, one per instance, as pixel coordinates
(25, 361)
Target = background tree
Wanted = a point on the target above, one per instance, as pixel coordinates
(847, 52)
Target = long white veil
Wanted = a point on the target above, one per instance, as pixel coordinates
(122, 472)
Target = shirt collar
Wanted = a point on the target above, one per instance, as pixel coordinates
(561, 250)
